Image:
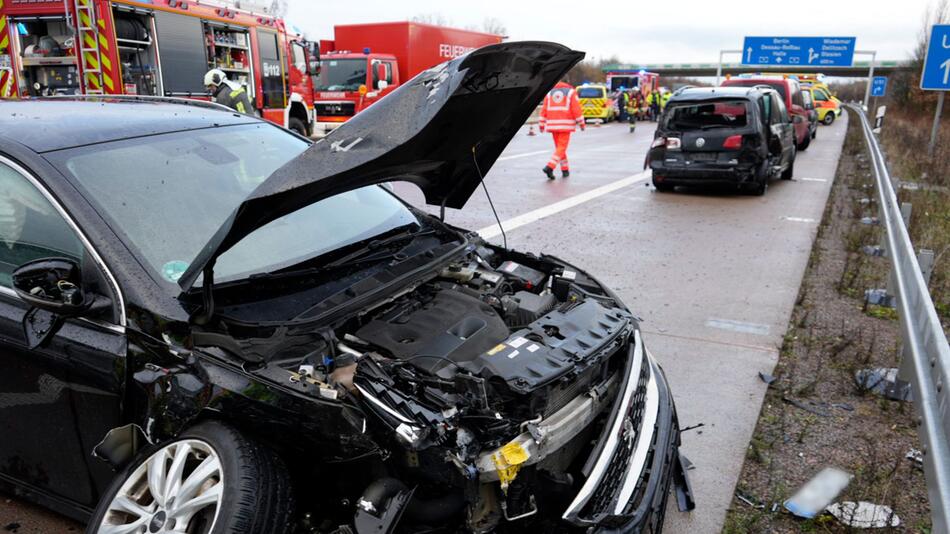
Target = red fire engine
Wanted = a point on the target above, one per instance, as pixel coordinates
(155, 48)
(365, 62)
(631, 78)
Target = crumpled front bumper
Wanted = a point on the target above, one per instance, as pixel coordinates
(637, 457)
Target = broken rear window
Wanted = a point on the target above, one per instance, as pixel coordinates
(705, 115)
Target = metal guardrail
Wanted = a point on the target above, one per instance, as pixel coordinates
(926, 355)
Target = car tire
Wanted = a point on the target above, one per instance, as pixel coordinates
(253, 492)
(804, 144)
(790, 171)
(298, 126)
(829, 118)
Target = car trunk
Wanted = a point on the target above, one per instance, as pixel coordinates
(708, 130)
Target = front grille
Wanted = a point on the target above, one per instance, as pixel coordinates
(334, 109)
(603, 497)
(565, 391)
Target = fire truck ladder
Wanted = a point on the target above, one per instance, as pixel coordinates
(87, 39)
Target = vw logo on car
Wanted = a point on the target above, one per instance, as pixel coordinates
(700, 142)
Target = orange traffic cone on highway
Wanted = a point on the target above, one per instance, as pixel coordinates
(531, 129)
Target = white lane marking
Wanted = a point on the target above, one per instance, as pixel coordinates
(548, 151)
(799, 219)
(812, 179)
(526, 154)
(738, 326)
(489, 232)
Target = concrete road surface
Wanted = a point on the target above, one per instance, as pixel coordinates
(713, 274)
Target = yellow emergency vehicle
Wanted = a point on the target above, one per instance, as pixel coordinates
(596, 102)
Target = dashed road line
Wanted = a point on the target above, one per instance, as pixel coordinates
(811, 179)
(738, 326)
(799, 219)
(489, 232)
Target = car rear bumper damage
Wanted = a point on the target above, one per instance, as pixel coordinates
(703, 174)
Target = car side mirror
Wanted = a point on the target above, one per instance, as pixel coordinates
(380, 74)
(53, 285)
(313, 66)
(53, 289)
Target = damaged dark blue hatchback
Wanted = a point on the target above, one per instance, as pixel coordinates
(257, 337)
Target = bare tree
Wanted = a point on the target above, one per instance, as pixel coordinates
(278, 8)
(495, 26)
(436, 19)
(904, 84)
(590, 70)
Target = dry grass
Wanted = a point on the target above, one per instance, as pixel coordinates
(832, 335)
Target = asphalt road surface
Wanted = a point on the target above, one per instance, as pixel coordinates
(713, 274)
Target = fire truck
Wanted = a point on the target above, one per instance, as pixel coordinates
(365, 62)
(156, 48)
(631, 78)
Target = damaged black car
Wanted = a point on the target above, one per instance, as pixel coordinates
(733, 136)
(209, 324)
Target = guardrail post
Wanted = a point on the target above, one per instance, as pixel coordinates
(926, 260)
(888, 296)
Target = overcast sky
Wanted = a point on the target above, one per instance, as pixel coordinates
(645, 31)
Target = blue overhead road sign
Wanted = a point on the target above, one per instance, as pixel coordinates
(799, 51)
(936, 75)
(878, 85)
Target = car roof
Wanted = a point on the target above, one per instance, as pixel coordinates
(714, 93)
(54, 124)
(760, 79)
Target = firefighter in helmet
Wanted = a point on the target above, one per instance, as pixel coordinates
(227, 92)
(561, 115)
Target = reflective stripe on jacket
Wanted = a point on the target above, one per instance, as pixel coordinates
(234, 98)
(561, 111)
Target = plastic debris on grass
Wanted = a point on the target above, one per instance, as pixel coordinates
(864, 514)
(818, 493)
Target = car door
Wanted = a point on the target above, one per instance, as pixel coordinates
(783, 127)
(52, 395)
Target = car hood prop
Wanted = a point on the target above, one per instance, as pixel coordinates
(436, 131)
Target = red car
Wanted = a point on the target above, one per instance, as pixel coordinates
(791, 92)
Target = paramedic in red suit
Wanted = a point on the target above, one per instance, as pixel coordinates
(560, 115)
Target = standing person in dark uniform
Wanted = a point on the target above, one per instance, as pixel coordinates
(622, 100)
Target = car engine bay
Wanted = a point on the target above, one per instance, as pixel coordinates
(483, 383)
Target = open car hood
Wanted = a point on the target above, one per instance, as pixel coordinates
(441, 130)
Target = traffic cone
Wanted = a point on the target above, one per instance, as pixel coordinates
(531, 129)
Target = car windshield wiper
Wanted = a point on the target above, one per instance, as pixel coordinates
(374, 251)
(370, 252)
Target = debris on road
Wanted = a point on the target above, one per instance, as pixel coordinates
(808, 406)
(916, 456)
(767, 378)
(818, 493)
(864, 514)
(883, 381)
(749, 501)
(694, 427)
